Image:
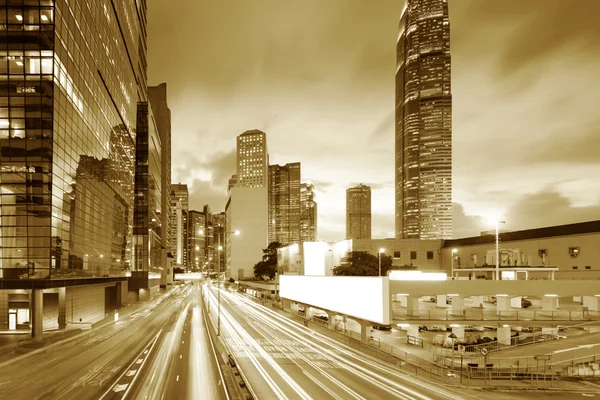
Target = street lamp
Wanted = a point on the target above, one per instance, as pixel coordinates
(220, 248)
(382, 250)
(454, 251)
(496, 223)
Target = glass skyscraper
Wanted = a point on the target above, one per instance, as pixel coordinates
(358, 212)
(424, 122)
(71, 77)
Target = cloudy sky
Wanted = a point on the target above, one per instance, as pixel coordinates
(318, 77)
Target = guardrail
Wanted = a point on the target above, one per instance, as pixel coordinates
(494, 315)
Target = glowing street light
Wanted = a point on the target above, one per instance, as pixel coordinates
(382, 250)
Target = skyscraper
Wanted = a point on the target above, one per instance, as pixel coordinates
(247, 207)
(284, 203)
(308, 213)
(68, 105)
(424, 122)
(252, 159)
(179, 224)
(196, 239)
(358, 212)
(162, 115)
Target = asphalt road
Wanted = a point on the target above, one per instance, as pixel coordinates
(286, 360)
(154, 353)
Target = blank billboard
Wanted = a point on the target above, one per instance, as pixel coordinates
(366, 298)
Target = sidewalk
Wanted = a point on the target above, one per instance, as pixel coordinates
(23, 345)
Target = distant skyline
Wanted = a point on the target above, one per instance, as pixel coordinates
(525, 97)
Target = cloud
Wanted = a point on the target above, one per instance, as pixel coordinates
(213, 189)
(536, 210)
(318, 77)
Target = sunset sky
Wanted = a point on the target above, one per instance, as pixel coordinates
(318, 77)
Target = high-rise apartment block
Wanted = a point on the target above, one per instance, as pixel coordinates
(308, 213)
(179, 223)
(252, 159)
(284, 203)
(424, 122)
(68, 110)
(358, 212)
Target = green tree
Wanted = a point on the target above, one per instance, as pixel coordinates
(268, 266)
(362, 263)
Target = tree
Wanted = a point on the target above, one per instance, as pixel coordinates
(362, 263)
(264, 269)
(268, 266)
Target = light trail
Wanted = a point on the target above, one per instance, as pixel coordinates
(344, 354)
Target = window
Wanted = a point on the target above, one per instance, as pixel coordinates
(396, 254)
(575, 267)
(413, 255)
(542, 253)
(573, 251)
(430, 255)
(588, 267)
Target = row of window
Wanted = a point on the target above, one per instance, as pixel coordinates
(586, 267)
(413, 255)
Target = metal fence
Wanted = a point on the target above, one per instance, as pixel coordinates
(494, 315)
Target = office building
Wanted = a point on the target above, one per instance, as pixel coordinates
(196, 239)
(218, 225)
(284, 203)
(308, 213)
(424, 122)
(358, 212)
(247, 208)
(179, 223)
(68, 109)
(252, 159)
(162, 116)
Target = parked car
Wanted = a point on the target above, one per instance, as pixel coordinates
(433, 299)
(525, 303)
(382, 327)
(432, 328)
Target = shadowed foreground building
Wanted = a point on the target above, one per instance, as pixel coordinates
(67, 139)
(424, 122)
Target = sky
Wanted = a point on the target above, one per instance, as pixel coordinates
(318, 77)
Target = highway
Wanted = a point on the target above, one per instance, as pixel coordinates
(162, 351)
(286, 360)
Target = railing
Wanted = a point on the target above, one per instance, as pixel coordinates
(493, 315)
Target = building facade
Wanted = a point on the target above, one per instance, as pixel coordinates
(358, 212)
(196, 240)
(68, 108)
(308, 213)
(252, 159)
(423, 171)
(179, 223)
(147, 241)
(284, 203)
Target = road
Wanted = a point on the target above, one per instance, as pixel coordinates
(286, 360)
(161, 351)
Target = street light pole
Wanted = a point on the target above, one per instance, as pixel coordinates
(498, 222)
(452, 270)
(219, 249)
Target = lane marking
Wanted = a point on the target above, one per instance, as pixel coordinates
(120, 388)
(177, 378)
(180, 356)
(131, 372)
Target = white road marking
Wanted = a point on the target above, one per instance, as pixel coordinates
(139, 360)
(4, 383)
(120, 388)
(177, 378)
(180, 356)
(131, 372)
